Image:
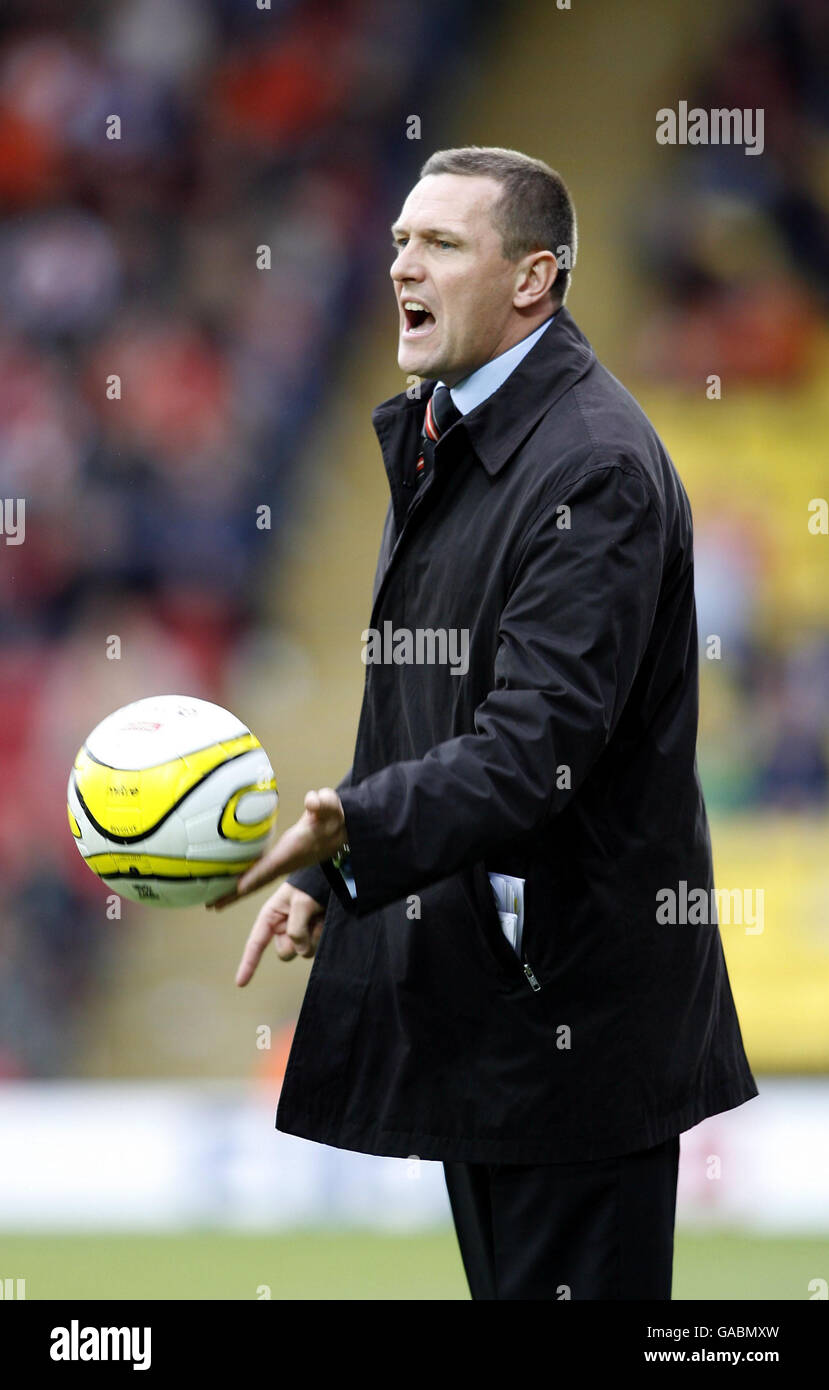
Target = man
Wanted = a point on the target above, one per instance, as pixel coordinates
(536, 524)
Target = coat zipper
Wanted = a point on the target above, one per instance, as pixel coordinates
(530, 974)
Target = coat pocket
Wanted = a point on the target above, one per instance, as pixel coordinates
(511, 966)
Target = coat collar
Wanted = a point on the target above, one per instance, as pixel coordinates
(500, 424)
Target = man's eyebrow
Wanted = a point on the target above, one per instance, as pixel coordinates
(440, 232)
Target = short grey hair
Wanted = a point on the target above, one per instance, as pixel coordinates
(535, 211)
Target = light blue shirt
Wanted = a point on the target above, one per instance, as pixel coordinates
(467, 394)
(481, 383)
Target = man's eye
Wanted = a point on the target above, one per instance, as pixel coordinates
(446, 244)
(398, 245)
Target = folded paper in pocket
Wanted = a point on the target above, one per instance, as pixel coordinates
(509, 900)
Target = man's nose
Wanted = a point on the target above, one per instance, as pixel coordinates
(406, 266)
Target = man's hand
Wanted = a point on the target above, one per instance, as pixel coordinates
(292, 920)
(318, 834)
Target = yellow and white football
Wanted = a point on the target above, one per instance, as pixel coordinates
(170, 799)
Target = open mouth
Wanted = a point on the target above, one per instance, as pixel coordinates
(419, 321)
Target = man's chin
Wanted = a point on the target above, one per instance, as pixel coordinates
(416, 363)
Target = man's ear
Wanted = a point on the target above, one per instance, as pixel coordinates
(536, 276)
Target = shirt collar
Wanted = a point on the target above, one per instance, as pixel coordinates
(481, 383)
(497, 426)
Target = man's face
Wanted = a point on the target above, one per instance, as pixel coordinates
(449, 260)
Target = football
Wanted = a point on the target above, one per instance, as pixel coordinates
(170, 799)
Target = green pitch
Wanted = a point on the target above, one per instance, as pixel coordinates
(349, 1265)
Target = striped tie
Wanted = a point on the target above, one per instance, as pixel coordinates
(441, 413)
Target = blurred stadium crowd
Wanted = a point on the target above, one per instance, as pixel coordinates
(244, 127)
(735, 247)
(735, 252)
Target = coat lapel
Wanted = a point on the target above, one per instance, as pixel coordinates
(495, 429)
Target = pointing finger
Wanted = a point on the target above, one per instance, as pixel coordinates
(260, 935)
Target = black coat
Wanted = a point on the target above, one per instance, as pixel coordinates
(565, 755)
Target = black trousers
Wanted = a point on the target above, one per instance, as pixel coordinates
(597, 1230)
